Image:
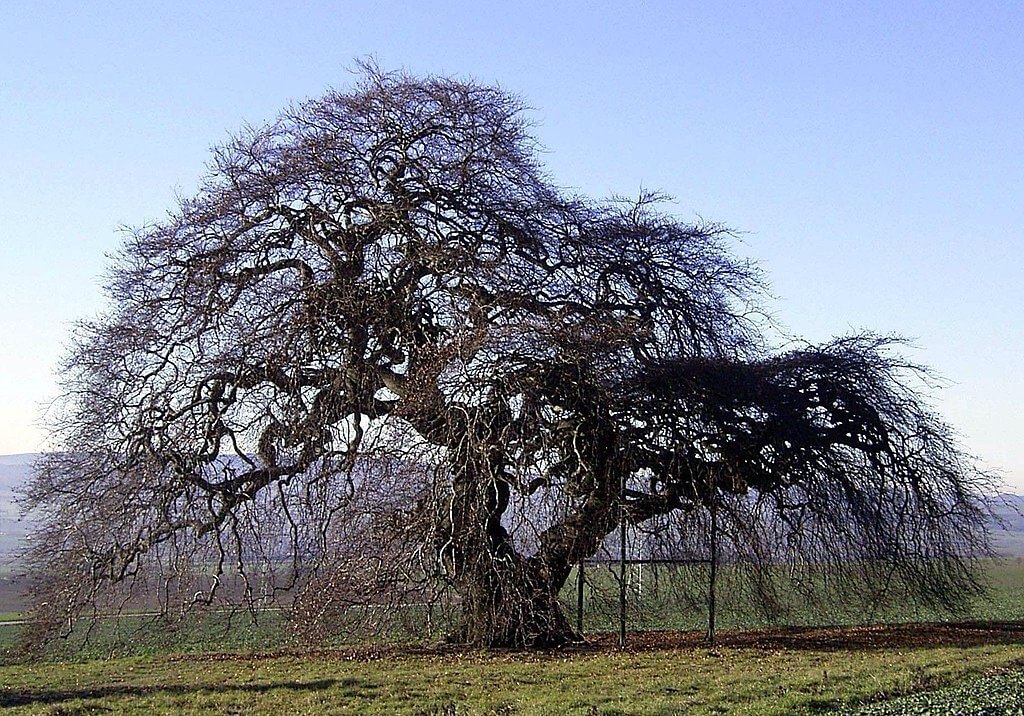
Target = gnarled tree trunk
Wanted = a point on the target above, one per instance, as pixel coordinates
(507, 599)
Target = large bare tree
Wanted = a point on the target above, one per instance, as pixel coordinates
(380, 355)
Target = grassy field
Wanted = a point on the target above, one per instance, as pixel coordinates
(655, 602)
(788, 672)
(210, 667)
(991, 695)
(650, 608)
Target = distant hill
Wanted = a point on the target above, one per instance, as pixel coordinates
(16, 469)
(1010, 541)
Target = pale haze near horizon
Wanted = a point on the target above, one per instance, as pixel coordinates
(870, 155)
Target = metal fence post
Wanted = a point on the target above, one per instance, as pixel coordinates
(622, 560)
(579, 597)
(713, 571)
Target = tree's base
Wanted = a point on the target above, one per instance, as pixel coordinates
(536, 628)
(546, 641)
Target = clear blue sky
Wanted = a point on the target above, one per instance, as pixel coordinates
(872, 153)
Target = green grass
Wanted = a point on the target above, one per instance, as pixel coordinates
(985, 696)
(130, 666)
(148, 636)
(672, 599)
(697, 680)
(675, 599)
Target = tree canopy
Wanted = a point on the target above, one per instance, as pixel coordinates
(380, 356)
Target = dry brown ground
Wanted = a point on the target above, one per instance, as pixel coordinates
(873, 637)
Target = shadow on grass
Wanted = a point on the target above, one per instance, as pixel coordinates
(916, 635)
(843, 638)
(55, 696)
